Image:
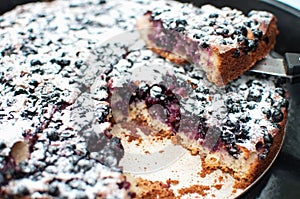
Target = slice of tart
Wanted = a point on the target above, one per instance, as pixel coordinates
(223, 42)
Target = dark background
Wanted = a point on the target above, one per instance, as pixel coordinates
(6, 5)
(282, 181)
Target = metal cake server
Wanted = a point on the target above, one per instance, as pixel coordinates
(287, 67)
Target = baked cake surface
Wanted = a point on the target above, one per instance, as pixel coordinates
(223, 42)
(56, 113)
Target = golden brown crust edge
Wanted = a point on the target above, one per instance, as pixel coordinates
(230, 67)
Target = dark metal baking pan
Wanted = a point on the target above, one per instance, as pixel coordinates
(283, 179)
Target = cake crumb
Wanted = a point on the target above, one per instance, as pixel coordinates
(172, 182)
(205, 172)
(198, 189)
(154, 189)
(221, 178)
(218, 186)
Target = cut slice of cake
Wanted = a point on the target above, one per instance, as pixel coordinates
(223, 42)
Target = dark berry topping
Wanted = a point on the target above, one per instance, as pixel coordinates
(244, 31)
(242, 40)
(234, 151)
(142, 91)
(108, 69)
(245, 118)
(213, 15)
(249, 23)
(280, 91)
(78, 64)
(53, 135)
(202, 128)
(101, 2)
(225, 31)
(229, 123)
(7, 51)
(212, 22)
(198, 36)
(2, 78)
(161, 102)
(227, 137)
(29, 114)
(35, 62)
(257, 33)
(53, 190)
(249, 83)
(270, 100)
(33, 83)
(179, 29)
(263, 155)
(27, 50)
(224, 42)
(251, 106)
(204, 45)
(259, 146)
(267, 112)
(233, 107)
(124, 185)
(20, 91)
(181, 22)
(254, 95)
(102, 112)
(242, 136)
(2, 146)
(281, 103)
(277, 116)
(268, 138)
(156, 92)
(146, 57)
(38, 71)
(61, 62)
(22, 191)
(188, 67)
(222, 31)
(155, 13)
(237, 32)
(252, 45)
